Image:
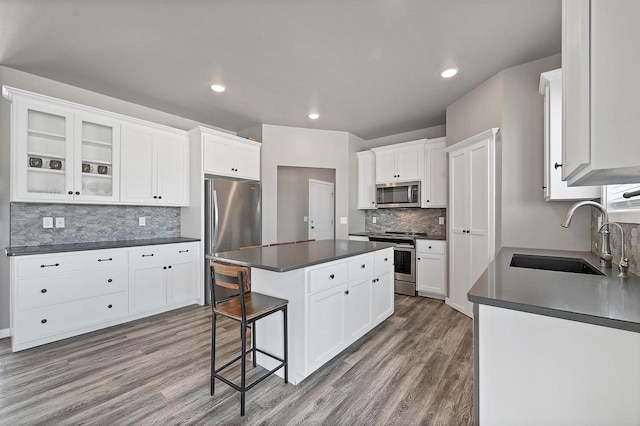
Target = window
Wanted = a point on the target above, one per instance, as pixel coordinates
(622, 209)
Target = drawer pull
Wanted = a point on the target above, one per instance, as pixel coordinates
(147, 255)
(169, 266)
(363, 266)
(429, 246)
(44, 290)
(109, 280)
(332, 276)
(110, 306)
(164, 267)
(385, 259)
(183, 251)
(377, 279)
(105, 260)
(44, 321)
(49, 266)
(346, 292)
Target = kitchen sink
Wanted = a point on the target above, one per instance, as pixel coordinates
(554, 263)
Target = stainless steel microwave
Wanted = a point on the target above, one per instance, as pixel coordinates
(398, 194)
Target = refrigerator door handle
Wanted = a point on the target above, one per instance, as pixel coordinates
(214, 243)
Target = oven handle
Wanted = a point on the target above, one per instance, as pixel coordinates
(404, 246)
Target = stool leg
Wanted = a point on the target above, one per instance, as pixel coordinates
(286, 347)
(243, 337)
(213, 351)
(253, 342)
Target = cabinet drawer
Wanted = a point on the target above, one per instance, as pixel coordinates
(327, 277)
(34, 266)
(50, 290)
(171, 252)
(430, 246)
(384, 258)
(40, 322)
(361, 266)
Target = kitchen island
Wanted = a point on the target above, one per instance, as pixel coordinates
(338, 290)
(556, 347)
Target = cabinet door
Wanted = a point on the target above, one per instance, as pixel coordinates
(218, 157)
(382, 297)
(435, 194)
(247, 161)
(173, 169)
(576, 90)
(147, 287)
(181, 281)
(385, 167)
(96, 159)
(43, 152)
(430, 273)
(327, 321)
(359, 301)
(138, 162)
(366, 180)
(410, 163)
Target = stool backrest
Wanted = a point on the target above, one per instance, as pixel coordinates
(230, 277)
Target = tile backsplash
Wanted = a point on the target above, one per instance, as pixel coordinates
(90, 223)
(406, 220)
(631, 242)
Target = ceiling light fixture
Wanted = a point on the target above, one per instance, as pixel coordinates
(218, 88)
(449, 72)
(314, 116)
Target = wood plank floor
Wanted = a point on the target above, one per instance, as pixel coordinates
(415, 368)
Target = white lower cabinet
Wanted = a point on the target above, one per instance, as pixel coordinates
(55, 296)
(382, 296)
(359, 301)
(431, 268)
(328, 331)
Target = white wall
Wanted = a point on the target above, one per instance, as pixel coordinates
(510, 100)
(298, 147)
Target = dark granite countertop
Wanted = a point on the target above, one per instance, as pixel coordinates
(288, 257)
(604, 300)
(102, 245)
(428, 237)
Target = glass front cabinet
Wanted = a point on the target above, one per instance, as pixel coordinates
(62, 155)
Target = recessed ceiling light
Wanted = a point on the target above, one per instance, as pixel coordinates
(219, 88)
(449, 72)
(314, 116)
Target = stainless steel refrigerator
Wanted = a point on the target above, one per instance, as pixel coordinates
(233, 218)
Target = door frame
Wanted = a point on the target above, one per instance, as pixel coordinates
(333, 217)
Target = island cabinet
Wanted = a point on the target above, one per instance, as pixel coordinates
(59, 295)
(330, 307)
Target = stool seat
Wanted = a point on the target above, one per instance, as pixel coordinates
(256, 304)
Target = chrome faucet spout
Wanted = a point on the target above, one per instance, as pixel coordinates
(605, 245)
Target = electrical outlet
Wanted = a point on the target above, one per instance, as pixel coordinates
(47, 222)
(374, 219)
(305, 219)
(142, 221)
(59, 222)
(343, 220)
(441, 220)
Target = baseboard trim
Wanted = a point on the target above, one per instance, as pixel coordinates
(6, 332)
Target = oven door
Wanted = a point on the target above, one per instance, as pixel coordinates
(404, 263)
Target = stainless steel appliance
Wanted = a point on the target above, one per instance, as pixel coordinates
(398, 194)
(233, 218)
(404, 259)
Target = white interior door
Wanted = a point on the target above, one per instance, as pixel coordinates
(321, 208)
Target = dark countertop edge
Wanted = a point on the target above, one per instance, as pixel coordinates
(100, 245)
(294, 267)
(548, 312)
(430, 237)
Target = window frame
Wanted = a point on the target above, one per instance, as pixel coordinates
(617, 214)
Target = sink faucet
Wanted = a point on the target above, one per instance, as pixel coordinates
(605, 245)
(624, 261)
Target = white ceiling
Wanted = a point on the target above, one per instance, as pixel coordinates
(370, 67)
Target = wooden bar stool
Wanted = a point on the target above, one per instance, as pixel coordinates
(246, 307)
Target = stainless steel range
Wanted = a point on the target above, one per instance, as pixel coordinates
(404, 259)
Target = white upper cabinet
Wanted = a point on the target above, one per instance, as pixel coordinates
(600, 92)
(70, 153)
(434, 187)
(366, 180)
(155, 166)
(400, 163)
(229, 155)
(554, 188)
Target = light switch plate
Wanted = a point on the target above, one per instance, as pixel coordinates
(305, 219)
(343, 220)
(59, 222)
(142, 221)
(441, 220)
(374, 219)
(47, 222)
